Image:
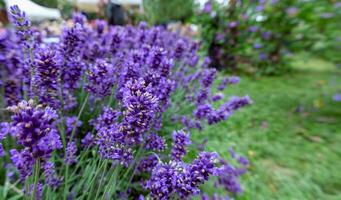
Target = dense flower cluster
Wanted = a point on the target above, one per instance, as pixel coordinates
(119, 92)
(35, 131)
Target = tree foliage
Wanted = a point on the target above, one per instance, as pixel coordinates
(163, 11)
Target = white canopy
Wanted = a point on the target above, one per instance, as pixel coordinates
(34, 11)
(91, 5)
(122, 2)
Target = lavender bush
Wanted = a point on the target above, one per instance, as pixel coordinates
(106, 113)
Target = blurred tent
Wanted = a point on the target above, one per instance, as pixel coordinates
(91, 5)
(34, 11)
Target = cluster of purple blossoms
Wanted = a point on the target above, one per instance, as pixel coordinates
(145, 77)
(35, 130)
(177, 179)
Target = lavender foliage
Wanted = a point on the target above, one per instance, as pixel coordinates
(118, 92)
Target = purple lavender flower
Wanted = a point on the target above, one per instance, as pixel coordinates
(155, 142)
(292, 11)
(218, 97)
(337, 97)
(71, 123)
(337, 5)
(12, 91)
(262, 56)
(208, 77)
(202, 167)
(37, 190)
(266, 35)
(72, 40)
(51, 178)
(23, 161)
(203, 111)
(207, 7)
(79, 18)
(100, 26)
(229, 179)
(259, 8)
(140, 108)
(147, 164)
(181, 140)
(253, 29)
(100, 77)
(236, 103)
(22, 24)
(227, 81)
(47, 68)
(257, 45)
(108, 117)
(233, 24)
(327, 15)
(88, 141)
(71, 151)
(35, 130)
(73, 69)
(162, 181)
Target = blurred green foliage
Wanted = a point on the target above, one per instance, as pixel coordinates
(261, 36)
(164, 11)
(2, 4)
(48, 3)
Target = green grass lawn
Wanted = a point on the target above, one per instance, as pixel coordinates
(291, 134)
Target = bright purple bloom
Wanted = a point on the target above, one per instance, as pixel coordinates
(35, 130)
(181, 140)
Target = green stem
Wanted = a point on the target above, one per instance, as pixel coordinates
(94, 178)
(71, 138)
(33, 72)
(109, 185)
(36, 178)
(101, 180)
(79, 115)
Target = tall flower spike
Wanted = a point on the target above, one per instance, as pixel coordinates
(180, 142)
(71, 150)
(22, 24)
(47, 71)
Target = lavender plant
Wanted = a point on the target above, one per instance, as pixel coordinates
(107, 113)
